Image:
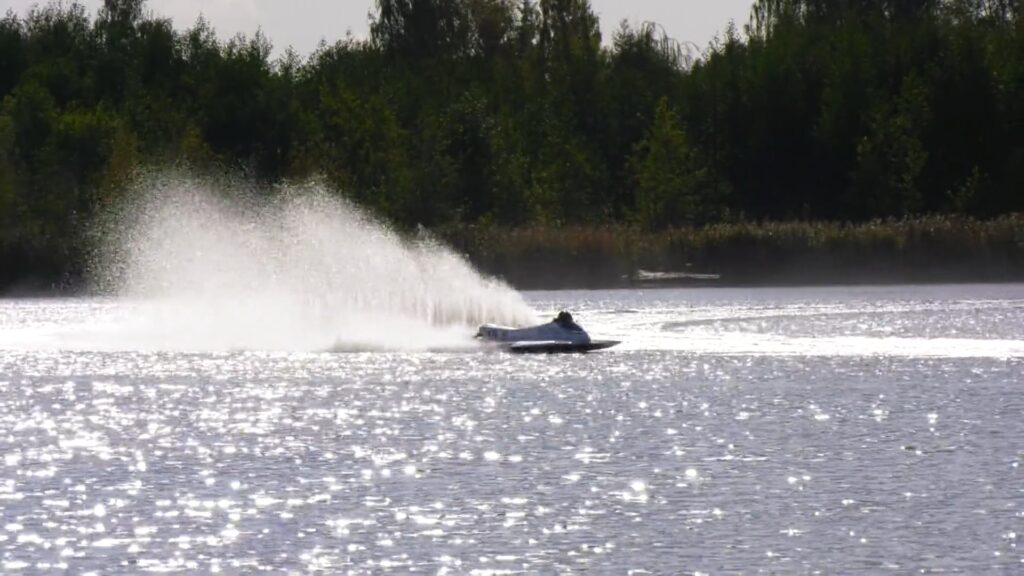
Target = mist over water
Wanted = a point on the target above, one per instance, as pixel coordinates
(210, 267)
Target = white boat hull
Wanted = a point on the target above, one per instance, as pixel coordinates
(551, 338)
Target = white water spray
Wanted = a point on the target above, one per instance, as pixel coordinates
(297, 270)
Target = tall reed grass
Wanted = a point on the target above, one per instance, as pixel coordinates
(925, 249)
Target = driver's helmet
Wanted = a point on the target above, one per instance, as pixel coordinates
(564, 318)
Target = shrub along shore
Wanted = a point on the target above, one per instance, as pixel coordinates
(927, 249)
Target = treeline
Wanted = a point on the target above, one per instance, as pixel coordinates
(515, 113)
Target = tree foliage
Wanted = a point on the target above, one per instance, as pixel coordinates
(517, 112)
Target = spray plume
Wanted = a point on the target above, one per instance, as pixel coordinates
(218, 267)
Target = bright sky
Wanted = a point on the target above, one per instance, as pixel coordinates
(302, 23)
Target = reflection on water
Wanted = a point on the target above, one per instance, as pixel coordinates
(776, 431)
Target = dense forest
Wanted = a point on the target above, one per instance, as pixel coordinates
(517, 113)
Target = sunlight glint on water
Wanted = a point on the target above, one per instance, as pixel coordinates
(735, 431)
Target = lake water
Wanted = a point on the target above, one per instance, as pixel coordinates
(838, 430)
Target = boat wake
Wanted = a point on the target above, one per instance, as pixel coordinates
(947, 330)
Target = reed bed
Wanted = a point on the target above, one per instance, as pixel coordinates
(925, 249)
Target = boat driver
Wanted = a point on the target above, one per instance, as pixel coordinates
(564, 320)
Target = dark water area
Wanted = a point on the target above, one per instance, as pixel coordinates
(837, 430)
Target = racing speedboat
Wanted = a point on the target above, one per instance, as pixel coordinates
(561, 335)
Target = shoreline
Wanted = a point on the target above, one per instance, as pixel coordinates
(927, 250)
(81, 293)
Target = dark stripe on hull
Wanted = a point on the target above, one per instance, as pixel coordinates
(561, 347)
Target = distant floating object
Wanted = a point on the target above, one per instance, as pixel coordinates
(680, 278)
(560, 336)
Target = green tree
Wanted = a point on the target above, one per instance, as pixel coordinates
(672, 180)
(892, 156)
(12, 46)
(422, 29)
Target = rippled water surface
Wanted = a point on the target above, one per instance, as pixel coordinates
(846, 430)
